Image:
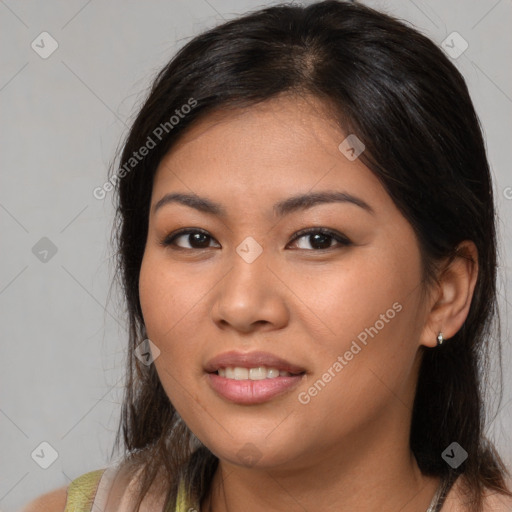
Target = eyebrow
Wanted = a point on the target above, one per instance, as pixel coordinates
(281, 208)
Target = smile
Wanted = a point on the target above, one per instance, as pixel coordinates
(248, 378)
(257, 373)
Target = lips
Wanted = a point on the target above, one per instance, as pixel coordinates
(247, 391)
(251, 360)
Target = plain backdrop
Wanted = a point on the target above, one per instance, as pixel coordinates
(62, 117)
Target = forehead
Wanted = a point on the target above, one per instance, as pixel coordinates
(285, 146)
(272, 130)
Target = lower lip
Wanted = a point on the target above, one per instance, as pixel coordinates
(252, 391)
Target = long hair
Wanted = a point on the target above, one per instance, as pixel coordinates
(396, 90)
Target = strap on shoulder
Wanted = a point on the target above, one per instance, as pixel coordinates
(82, 491)
(181, 503)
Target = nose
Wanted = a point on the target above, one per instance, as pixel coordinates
(250, 297)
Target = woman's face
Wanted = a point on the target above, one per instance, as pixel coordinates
(345, 317)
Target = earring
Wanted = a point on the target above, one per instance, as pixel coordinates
(440, 339)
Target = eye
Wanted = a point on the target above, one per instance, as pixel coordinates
(321, 238)
(197, 239)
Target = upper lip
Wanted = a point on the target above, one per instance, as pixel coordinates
(251, 360)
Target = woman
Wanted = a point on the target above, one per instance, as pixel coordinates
(307, 249)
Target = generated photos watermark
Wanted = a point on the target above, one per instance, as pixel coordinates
(305, 397)
(156, 136)
(147, 352)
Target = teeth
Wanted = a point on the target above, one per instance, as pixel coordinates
(258, 373)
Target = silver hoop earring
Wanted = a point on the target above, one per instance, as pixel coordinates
(440, 339)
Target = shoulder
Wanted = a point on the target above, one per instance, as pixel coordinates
(54, 501)
(77, 493)
(493, 501)
(497, 502)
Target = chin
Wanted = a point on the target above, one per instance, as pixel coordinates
(253, 454)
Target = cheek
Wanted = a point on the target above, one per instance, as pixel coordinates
(358, 382)
(346, 298)
(171, 300)
(371, 325)
(167, 296)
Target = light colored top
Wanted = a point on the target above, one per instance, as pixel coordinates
(90, 492)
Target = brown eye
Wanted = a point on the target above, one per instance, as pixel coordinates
(197, 239)
(321, 238)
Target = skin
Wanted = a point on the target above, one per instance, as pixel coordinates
(347, 449)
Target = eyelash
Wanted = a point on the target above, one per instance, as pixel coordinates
(168, 241)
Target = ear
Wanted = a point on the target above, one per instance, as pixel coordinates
(450, 299)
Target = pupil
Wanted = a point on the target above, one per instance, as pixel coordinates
(323, 238)
(197, 238)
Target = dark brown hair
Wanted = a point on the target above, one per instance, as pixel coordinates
(396, 90)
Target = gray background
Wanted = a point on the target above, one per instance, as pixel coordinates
(62, 350)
